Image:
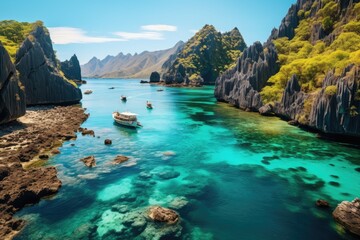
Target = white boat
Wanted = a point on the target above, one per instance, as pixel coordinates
(127, 119)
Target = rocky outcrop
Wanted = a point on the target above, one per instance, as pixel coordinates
(39, 73)
(89, 161)
(154, 77)
(120, 159)
(348, 215)
(71, 68)
(338, 112)
(161, 214)
(292, 101)
(12, 96)
(240, 85)
(204, 56)
(30, 137)
(334, 109)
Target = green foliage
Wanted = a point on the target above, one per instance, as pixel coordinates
(209, 53)
(327, 24)
(330, 90)
(13, 33)
(353, 111)
(311, 61)
(357, 95)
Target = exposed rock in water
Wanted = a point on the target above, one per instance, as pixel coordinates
(107, 142)
(348, 215)
(85, 131)
(120, 159)
(240, 85)
(12, 96)
(89, 161)
(39, 73)
(161, 214)
(266, 110)
(71, 69)
(154, 77)
(322, 203)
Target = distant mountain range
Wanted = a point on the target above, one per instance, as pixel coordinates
(129, 66)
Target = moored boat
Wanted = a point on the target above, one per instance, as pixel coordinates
(149, 105)
(123, 98)
(88, 91)
(126, 119)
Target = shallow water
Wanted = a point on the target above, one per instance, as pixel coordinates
(242, 176)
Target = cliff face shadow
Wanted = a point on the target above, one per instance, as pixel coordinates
(11, 127)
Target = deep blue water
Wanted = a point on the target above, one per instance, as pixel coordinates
(242, 176)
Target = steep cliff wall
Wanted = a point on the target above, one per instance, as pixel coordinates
(39, 72)
(314, 38)
(12, 96)
(240, 86)
(71, 68)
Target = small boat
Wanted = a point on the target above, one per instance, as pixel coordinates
(126, 119)
(88, 92)
(149, 105)
(123, 98)
(160, 90)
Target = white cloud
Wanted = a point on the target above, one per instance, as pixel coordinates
(159, 28)
(67, 35)
(140, 35)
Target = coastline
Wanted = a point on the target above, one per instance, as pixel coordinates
(25, 145)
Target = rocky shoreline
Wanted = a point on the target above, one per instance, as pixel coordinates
(24, 143)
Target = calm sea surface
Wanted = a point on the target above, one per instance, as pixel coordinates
(231, 174)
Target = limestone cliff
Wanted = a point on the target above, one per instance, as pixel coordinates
(240, 85)
(204, 57)
(12, 96)
(40, 74)
(315, 37)
(71, 68)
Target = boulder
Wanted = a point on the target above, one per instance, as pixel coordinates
(89, 161)
(107, 142)
(266, 110)
(322, 203)
(12, 95)
(160, 214)
(120, 159)
(154, 77)
(348, 215)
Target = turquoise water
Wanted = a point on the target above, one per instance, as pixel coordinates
(230, 174)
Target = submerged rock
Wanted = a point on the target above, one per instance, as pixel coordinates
(120, 159)
(322, 203)
(160, 214)
(348, 215)
(89, 161)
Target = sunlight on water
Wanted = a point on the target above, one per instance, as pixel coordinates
(230, 174)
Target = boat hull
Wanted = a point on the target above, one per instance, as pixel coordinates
(130, 124)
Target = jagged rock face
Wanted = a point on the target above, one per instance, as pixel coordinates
(292, 101)
(36, 63)
(71, 68)
(155, 77)
(240, 86)
(338, 113)
(12, 96)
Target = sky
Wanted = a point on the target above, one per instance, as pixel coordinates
(97, 28)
